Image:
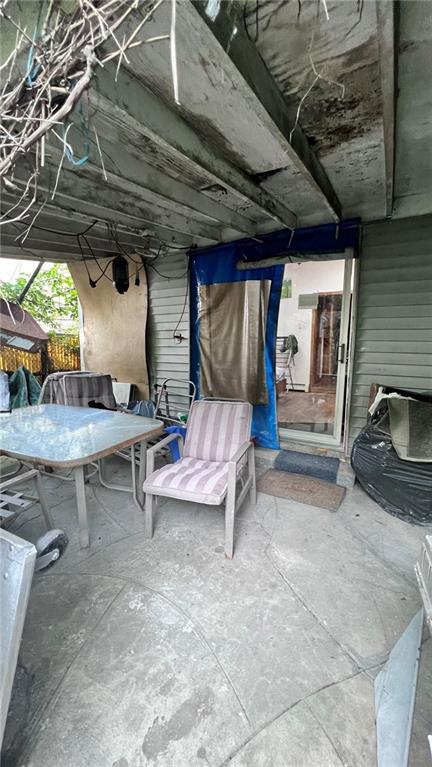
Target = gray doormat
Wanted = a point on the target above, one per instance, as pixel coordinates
(298, 487)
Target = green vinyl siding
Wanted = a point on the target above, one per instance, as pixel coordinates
(393, 343)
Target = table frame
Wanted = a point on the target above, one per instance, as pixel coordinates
(77, 467)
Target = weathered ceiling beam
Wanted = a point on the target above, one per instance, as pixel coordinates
(59, 220)
(385, 10)
(51, 243)
(36, 255)
(279, 116)
(156, 188)
(413, 205)
(124, 206)
(47, 231)
(132, 105)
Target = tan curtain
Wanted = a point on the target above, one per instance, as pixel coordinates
(114, 327)
(233, 319)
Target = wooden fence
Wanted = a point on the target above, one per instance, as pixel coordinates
(62, 352)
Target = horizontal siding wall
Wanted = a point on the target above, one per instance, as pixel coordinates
(394, 320)
(167, 293)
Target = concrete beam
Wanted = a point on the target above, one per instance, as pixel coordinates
(413, 205)
(130, 104)
(385, 10)
(278, 116)
(48, 231)
(55, 218)
(51, 243)
(38, 255)
(125, 205)
(154, 187)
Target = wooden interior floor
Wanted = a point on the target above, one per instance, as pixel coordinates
(307, 411)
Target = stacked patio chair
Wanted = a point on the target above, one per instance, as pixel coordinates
(79, 388)
(52, 544)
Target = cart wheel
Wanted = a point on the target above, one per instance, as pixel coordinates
(50, 547)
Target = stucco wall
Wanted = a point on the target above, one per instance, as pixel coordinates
(114, 327)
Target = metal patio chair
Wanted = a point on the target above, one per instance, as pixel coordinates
(13, 502)
(174, 397)
(79, 388)
(218, 455)
(51, 545)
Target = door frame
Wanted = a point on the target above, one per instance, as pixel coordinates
(343, 387)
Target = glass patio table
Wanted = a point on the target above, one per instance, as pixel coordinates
(67, 437)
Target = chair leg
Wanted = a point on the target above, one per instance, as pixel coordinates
(252, 476)
(230, 509)
(149, 509)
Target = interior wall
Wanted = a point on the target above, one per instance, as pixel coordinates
(114, 327)
(393, 343)
(311, 277)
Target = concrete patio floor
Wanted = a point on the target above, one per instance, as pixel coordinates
(162, 652)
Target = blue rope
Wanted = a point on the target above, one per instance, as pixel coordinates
(84, 129)
(32, 72)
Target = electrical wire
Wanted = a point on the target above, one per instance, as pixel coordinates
(183, 310)
(56, 231)
(166, 276)
(169, 246)
(113, 236)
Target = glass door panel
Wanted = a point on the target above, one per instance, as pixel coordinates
(310, 353)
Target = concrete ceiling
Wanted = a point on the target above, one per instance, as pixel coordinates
(238, 157)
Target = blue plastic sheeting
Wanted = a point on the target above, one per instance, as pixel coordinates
(329, 239)
(174, 446)
(217, 265)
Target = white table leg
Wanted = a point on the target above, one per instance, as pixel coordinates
(84, 539)
(43, 502)
(142, 472)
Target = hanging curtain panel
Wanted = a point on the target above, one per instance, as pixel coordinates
(114, 327)
(233, 320)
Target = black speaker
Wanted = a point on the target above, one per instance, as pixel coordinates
(120, 273)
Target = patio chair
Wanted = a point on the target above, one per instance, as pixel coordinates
(218, 455)
(79, 388)
(21, 501)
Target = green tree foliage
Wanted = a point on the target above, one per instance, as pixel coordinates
(51, 298)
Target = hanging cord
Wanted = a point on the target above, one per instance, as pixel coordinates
(183, 310)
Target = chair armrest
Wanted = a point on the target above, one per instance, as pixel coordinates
(152, 451)
(246, 448)
(241, 452)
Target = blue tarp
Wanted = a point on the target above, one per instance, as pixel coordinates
(217, 265)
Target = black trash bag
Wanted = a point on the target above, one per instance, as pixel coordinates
(402, 488)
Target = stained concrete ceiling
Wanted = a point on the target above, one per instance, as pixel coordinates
(286, 118)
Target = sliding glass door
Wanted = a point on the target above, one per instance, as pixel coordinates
(312, 350)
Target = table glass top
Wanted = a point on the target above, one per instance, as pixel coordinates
(65, 434)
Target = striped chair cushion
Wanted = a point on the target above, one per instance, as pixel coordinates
(216, 430)
(190, 479)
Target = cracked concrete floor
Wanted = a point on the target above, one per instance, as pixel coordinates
(163, 653)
